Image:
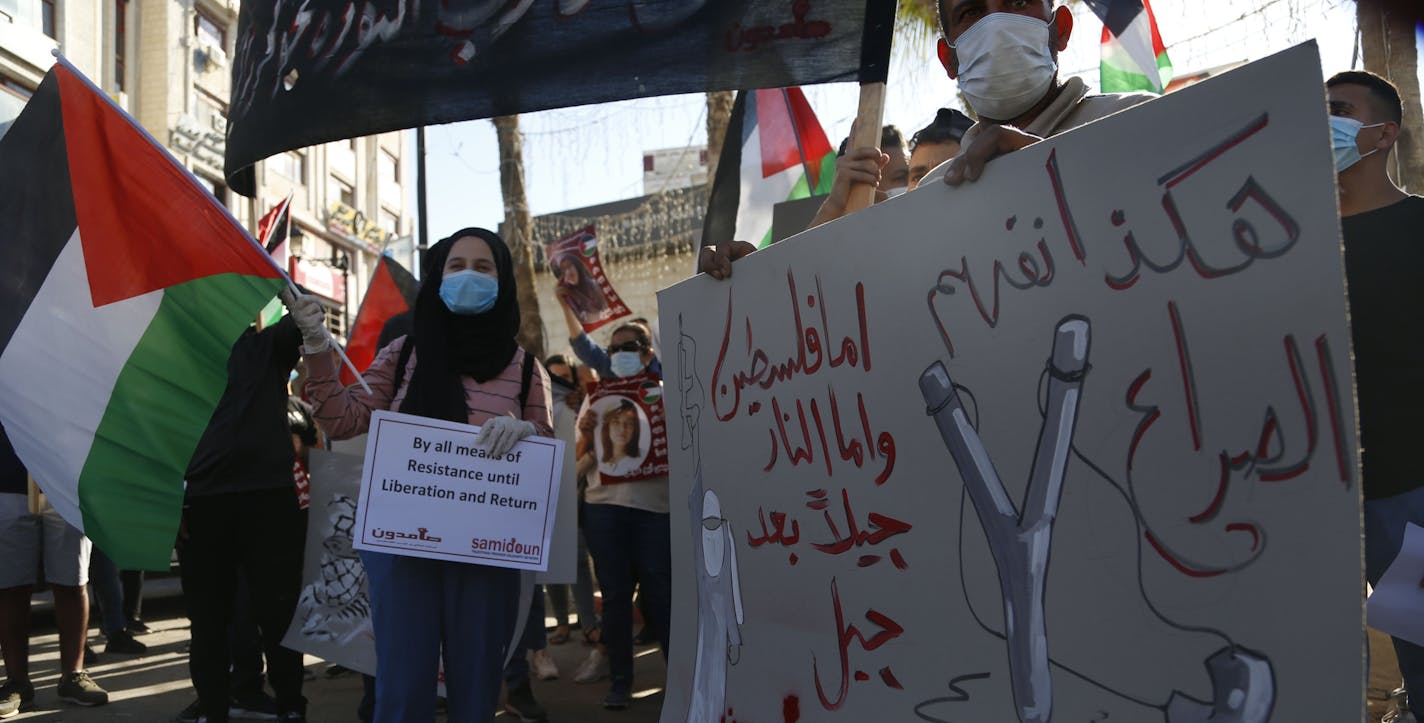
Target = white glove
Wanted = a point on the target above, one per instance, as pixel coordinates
(500, 434)
(310, 317)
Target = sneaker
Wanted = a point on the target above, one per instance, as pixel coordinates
(1399, 716)
(618, 698)
(189, 714)
(593, 668)
(543, 665)
(91, 658)
(253, 707)
(123, 643)
(78, 688)
(292, 716)
(520, 701)
(137, 627)
(16, 698)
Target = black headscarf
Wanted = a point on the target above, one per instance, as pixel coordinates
(449, 345)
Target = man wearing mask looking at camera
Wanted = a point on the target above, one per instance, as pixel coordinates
(1004, 54)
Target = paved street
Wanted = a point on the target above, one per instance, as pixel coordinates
(154, 687)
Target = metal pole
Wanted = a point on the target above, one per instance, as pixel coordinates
(423, 242)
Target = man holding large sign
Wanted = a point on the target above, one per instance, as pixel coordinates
(1072, 442)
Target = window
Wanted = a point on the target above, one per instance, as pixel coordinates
(291, 165)
(12, 100)
(390, 168)
(121, 28)
(219, 190)
(209, 32)
(390, 223)
(346, 193)
(647, 163)
(47, 18)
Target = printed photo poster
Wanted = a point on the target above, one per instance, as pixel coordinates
(1072, 442)
(579, 280)
(623, 421)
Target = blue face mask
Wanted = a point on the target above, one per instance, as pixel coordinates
(469, 292)
(625, 363)
(1344, 133)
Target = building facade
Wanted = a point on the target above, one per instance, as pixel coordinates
(168, 63)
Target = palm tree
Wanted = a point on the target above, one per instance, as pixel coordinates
(517, 231)
(719, 114)
(1387, 42)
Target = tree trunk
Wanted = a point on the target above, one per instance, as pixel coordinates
(719, 112)
(1387, 42)
(517, 229)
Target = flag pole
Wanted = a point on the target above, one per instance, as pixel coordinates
(868, 119)
(232, 220)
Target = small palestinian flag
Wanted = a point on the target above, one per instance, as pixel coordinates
(392, 291)
(775, 151)
(124, 288)
(272, 232)
(652, 393)
(1134, 58)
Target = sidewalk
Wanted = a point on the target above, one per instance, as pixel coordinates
(154, 687)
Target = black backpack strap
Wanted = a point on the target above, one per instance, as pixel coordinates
(407, 347)
(526, 374)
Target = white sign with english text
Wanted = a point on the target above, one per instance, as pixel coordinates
(428, 490)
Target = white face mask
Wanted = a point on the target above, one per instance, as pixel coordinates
(1005, 64)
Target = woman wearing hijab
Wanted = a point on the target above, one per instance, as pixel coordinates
(462, 365)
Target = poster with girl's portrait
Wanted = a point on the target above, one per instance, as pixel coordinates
(579, 280)
(622, 421)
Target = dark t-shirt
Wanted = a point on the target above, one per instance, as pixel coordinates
(13, 477)
(248, 443)
(1384, 253)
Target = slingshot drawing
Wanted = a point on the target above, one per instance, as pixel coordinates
(1020, 541)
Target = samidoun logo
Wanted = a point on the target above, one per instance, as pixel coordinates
(652, 393)
(506, 548)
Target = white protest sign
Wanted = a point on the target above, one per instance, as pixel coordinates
(1072, 442)
(428, 490)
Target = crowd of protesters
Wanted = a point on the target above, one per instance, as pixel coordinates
(454, 357)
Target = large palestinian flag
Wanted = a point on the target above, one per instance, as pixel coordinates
(1134, 58)
(775, 151)
(123, 288)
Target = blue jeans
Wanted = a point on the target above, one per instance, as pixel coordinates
(1385, 521)
(108, 590)
(630, 544)
(516, 672)
(421, 608)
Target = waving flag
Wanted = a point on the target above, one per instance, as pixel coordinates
(775, 151)
(1134, 58)
(272, 232)
(392, 291)
(124, 287)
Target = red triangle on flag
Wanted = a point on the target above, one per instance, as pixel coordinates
(790, 134)
(144, 222)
